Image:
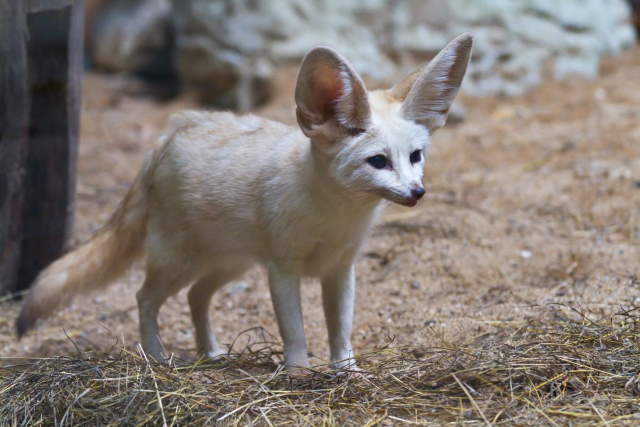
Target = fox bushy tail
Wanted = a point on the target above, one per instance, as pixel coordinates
(97, 262)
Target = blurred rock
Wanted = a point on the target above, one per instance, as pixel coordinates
(355, 28)
(130, 35)
(225, 49)
(517, 41)
(222, 50)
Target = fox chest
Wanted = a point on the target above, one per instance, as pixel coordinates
(316, 249)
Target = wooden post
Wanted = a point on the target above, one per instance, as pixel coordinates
(37, 208)
(635, 12)
(14, 120)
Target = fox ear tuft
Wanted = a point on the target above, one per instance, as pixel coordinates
(330, 96)
(427, 94)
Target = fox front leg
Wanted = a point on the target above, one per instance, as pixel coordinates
(338, 297)
(285, 295)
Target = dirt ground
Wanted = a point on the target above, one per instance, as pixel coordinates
(531, 201)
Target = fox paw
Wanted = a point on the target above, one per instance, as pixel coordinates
(348, 368)
(215, 355)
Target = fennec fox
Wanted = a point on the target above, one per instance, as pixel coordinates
(226, 192)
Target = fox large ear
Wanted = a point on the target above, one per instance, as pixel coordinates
(427, 94)
(331, 98)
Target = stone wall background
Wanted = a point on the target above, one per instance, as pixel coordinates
(226, 50)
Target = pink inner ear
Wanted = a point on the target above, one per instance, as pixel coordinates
(328, 89)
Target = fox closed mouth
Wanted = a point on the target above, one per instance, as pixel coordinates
(409, 202)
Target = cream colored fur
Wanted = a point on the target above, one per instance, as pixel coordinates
(226, 192)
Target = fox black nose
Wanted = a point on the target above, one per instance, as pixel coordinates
(417, 192)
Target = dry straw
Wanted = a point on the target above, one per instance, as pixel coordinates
(558, 368)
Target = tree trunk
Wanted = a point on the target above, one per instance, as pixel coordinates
(14, 121)
(40, 117)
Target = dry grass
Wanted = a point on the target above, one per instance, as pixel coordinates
(555, 368)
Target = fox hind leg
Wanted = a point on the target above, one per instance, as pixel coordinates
(159, 284)
(199, 299)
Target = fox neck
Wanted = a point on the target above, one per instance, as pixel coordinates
(327, 191)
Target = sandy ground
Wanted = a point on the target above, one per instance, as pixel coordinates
(531, 201)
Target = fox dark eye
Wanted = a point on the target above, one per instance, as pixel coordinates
(415, 156)
(378, 162)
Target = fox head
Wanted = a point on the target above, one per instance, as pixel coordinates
(375, 143)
